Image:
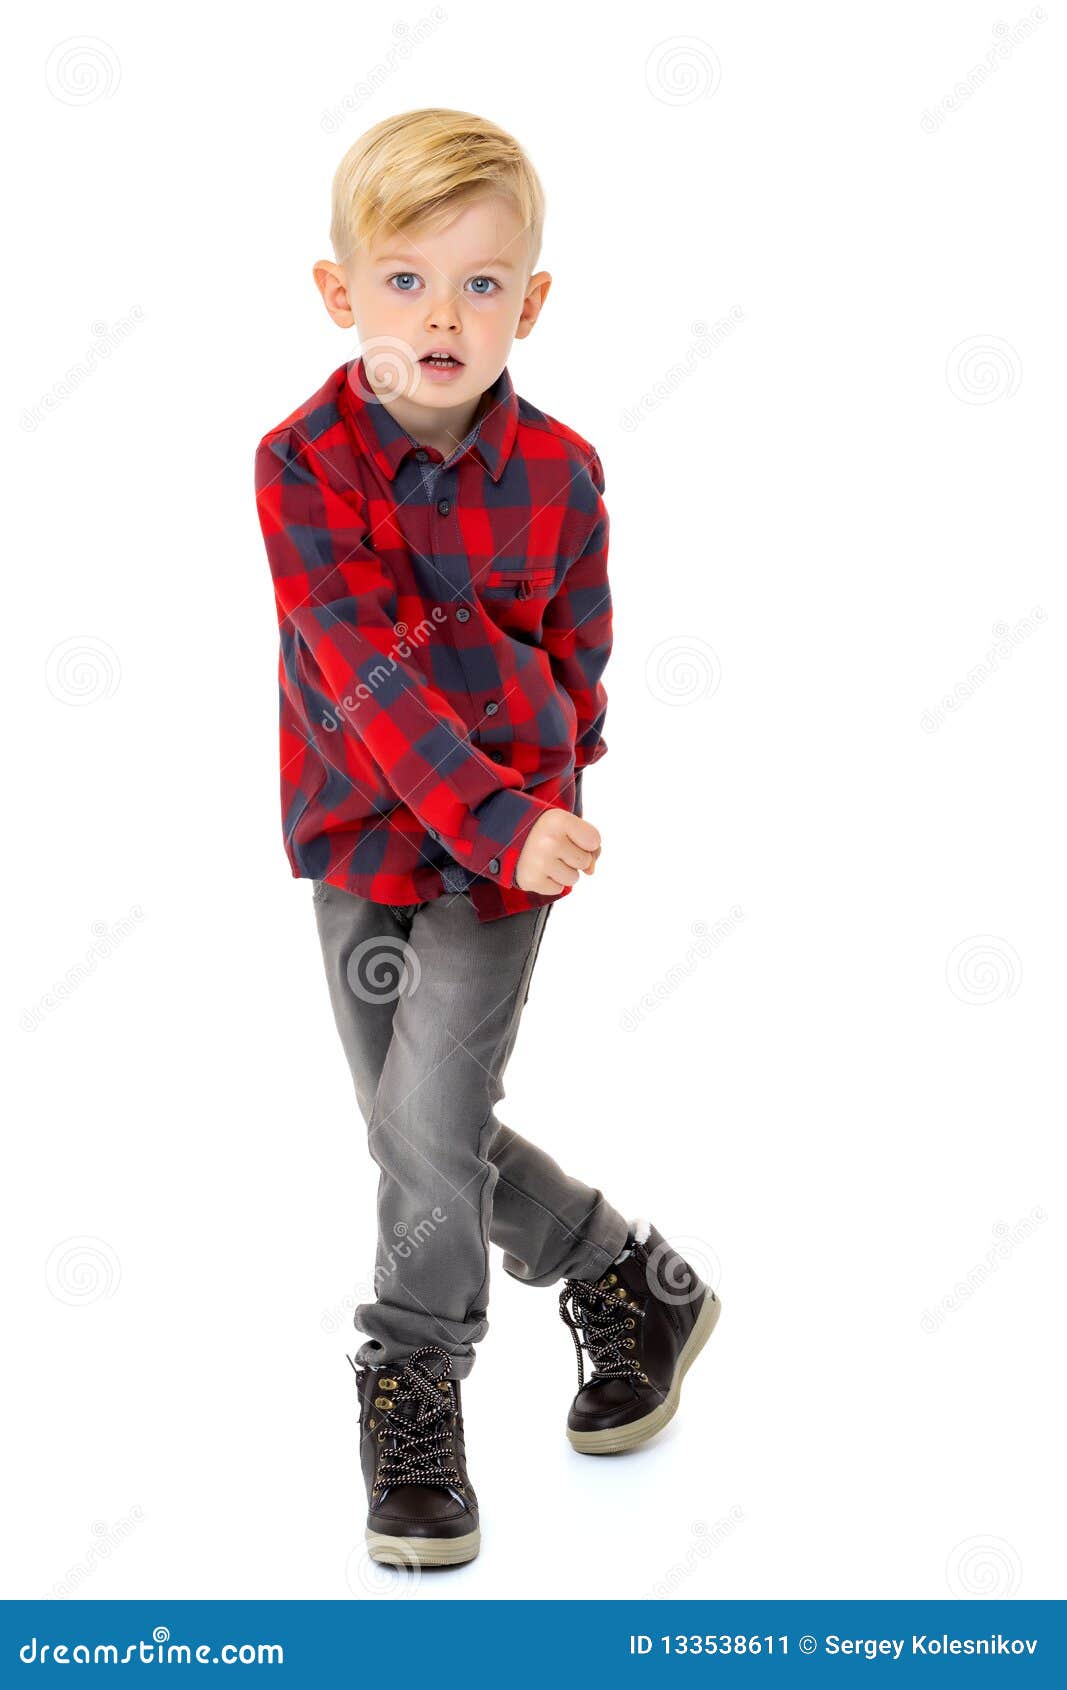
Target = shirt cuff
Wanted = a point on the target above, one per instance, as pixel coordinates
(500, 825)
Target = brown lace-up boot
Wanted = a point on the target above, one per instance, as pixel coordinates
(422, 1509)
(644, 1324)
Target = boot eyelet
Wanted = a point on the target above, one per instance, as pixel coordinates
(621, 1291)
(630, 1344)
(612, 1279)
(372, 1424)
(387, 1384)
(384, 1403)
(442, 1385)
(631, 1324)
(643, 1378)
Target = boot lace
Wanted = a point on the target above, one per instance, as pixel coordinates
(597, 1308)
(416, 1449)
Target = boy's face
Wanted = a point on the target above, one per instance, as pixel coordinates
(465, 290)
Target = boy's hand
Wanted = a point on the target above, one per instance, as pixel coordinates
(558, 848)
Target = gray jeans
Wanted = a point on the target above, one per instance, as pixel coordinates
(427, 1001)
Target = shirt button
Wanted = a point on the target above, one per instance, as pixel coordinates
(444, 506)
(421, 457)
(494, 865)
(497, 756)
(491, 708)
(463, 614)
(432, 831)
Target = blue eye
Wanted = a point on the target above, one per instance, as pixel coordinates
(489, 279)
(402, 276)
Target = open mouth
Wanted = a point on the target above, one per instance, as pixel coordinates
(441, 361)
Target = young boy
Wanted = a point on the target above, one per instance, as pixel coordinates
(438, 548)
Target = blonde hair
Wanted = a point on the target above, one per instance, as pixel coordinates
(424, 167)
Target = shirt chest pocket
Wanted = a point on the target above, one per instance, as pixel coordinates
(526, 583)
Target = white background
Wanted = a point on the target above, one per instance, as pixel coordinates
(847, 1102)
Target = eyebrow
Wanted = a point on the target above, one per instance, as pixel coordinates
(478, 264)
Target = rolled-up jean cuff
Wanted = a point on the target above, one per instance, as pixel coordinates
(372, 1354)
(601, 1257)
(595, 1255)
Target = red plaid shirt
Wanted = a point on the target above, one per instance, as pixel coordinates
(444, 625)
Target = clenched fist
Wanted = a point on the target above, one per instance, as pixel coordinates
(558, 848)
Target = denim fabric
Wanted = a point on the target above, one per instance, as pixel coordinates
(427, 1001)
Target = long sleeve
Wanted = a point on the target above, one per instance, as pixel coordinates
(577, 631)
(339, 605)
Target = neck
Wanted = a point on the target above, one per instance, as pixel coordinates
(442, 429)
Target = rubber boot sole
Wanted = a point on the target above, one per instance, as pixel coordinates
(613, 1440)
(423, 1551)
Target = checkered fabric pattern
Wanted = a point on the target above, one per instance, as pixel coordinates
(444, 625)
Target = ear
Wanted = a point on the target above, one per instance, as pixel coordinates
(331, 283)
(536, 294)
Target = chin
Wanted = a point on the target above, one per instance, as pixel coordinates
(446, 392)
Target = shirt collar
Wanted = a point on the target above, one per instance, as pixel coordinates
(389, 444)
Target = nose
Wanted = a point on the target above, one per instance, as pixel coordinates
(443, 312)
